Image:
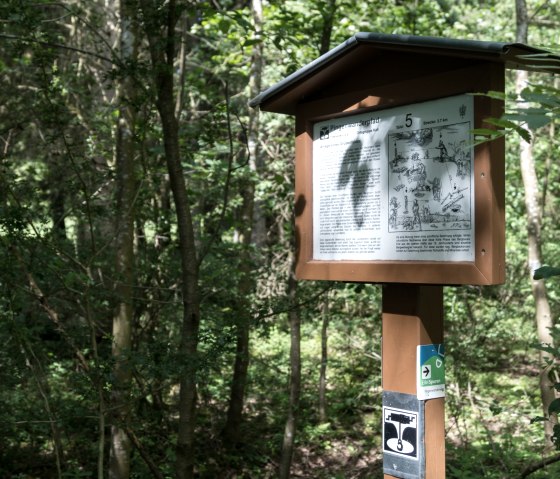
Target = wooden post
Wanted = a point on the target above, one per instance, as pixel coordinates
(413, 315)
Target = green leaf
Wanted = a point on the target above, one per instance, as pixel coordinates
(251, 42)
(539, 419)
(550, 100)
(486, 132)
(514, 116)
(223, 25)
(523, 133)
(545, 272)
(554, 406)
(496, 95)
(242, 21)
(537, 120)
(501, 122)
(482, 135)
(546, 348)
(507, 121)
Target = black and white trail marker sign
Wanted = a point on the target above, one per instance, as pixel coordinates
(400, 432)
(403, 436)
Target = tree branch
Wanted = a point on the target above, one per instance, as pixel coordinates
(156, 472)
(539, 465)
(56, 45)
(295, 305)
(51, 313)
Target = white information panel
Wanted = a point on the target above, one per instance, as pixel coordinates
(396, 184)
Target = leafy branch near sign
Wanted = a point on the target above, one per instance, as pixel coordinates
(536, 106)
(531, 107)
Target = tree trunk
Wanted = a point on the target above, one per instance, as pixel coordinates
(57, 208)
(119, 458)
(328, 21)
(250, 223)
(162, 52)
(189, 272)
(295, 377)
(324, 361)
(533, 208)
(41, 380)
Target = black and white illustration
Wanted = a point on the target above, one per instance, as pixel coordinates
(395, 184)
(430, 179)
(400, 432)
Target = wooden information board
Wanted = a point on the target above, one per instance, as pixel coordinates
(393, 189)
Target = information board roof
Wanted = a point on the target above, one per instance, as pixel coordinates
(286, 94)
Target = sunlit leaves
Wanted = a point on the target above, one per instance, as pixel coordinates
(537, 106)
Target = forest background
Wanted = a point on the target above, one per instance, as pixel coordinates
(150, 322)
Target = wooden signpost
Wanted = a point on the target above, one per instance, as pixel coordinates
(391, 189)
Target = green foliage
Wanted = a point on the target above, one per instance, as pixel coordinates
(58, 108)
(537, 106)
(545, 272)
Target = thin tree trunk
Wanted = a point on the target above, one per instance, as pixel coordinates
(57, 208)
(324, 360)
(256, 162)
(295, 378)
(119, 458)
(328, 21)
(43, 387)
(163, 67)
(250, 223)
(533, 208)
(189, 277)
(239, 382)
